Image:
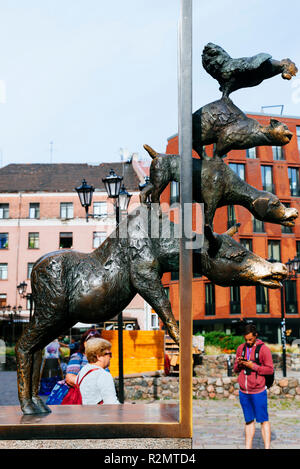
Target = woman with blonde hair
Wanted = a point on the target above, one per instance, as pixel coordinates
(96, 384)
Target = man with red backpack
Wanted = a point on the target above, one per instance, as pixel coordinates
(254, 365)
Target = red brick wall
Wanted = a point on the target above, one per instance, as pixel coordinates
(259, 240)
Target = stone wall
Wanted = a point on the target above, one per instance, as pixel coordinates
(167, 388)
(216, 365)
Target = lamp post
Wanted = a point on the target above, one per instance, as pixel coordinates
(22, 287)
(85, 194)
(121, 197)
(112, 184)
(13, 317)
(293, 268)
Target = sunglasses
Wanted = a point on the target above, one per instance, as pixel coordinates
(108, 353)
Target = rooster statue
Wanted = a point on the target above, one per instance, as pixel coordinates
(233, 74)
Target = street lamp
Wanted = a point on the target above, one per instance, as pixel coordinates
(293, 267)
(22, 287)
(123, 200)
(112, 184)
(85, 194)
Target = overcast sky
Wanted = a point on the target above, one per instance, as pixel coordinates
(94, 76)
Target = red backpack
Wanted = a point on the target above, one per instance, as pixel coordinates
(73, 397)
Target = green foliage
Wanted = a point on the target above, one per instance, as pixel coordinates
(223, 340)
(10, 351)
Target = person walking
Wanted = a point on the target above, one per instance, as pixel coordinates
(252, 382)
(96, 383)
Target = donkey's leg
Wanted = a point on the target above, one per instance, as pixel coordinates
(145, 192)
(50, 331)
(148, 284)
(28, 351)
(24, 357)
(36, 370)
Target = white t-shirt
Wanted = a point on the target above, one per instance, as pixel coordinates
(97, 386)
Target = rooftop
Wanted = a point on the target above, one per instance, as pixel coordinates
(62, 177)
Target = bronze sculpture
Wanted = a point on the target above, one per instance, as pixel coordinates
(215, 184)
(233, 74)
(69, 286)
(225, 125)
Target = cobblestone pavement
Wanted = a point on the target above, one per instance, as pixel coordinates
(218, 424)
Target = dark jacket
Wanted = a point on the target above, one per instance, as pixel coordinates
(254, 382)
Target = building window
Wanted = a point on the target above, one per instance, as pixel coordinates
(29, 268)
(239, 169)
(247, 243)
(154, 321)
(298, 136)
(2, 300)
(278, 153)
(258, 226)
(98, 238)
(231, 218)
(251, 153)
(4, 210)
(3, 240)
(235, 300)
(286, 229)
(267, 178)
(66, 210)
(33, 241)
(3, 271)
(100, 209)
(290, 297)
(65, 240)
(298, 249)
(262, 301)
(209, 299)
(174, 192)
(274, 250)
(34, 210)
(175, 275)
(293, 174)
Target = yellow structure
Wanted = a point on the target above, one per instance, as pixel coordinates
(143, 351)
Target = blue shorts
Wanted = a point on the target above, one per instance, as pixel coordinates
(255, 406)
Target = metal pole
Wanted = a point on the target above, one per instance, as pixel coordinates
(120, 328)
(30, 306)
(283, 329)
(185, 257)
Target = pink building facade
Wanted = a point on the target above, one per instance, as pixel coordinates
(35, 222)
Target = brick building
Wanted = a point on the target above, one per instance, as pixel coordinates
(275, 169)
(40, 212)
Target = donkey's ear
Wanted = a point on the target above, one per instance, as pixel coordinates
(213, 240)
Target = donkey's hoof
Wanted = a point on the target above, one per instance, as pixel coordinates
(40, 405)
(28, 407)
